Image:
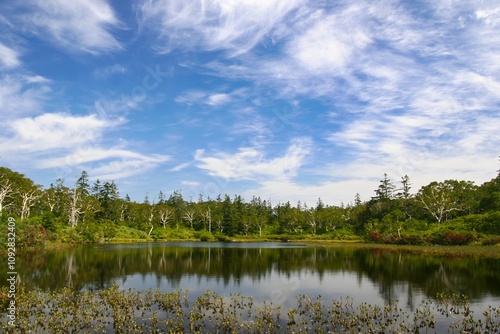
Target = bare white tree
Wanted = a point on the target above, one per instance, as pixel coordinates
(166, 214)
(6, 189)
(75, 207)
(28, 200)
(151, 217)
(189, 216)
(208, 218)
(312, 221)
(50, 198)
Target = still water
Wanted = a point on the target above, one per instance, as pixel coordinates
(276, 272)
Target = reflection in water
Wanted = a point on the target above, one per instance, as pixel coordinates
(274, 271)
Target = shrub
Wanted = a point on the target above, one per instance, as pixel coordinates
(375, 237)
(488, 223)
(204, 236)
(31, 236)
(223, 238)
(124, 232)
(453, 238)
(410, 239)
(378, 238)
(491, 241)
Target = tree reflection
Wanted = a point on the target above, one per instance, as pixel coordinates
(97, 267)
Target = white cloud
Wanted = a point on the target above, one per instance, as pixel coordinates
(192, 97)
(105, 164)
(193, 184)
(8, 57)
(250, 164)
(214, 99)
(218, 99)
(339, 182)
(329, 45)
(54, 131)
(119, 169)
(65, 142)
(110, 70)
(411, 93)
(235, 26)
(180, 167)
(79, 25)
(92, 154)
(331, 193)
(21, 95)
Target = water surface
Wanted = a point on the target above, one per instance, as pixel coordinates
(277, 272)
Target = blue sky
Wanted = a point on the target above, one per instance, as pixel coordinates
(282, 99)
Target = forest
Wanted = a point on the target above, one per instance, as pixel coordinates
(449, 212)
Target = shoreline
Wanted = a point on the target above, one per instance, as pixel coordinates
(489, 251)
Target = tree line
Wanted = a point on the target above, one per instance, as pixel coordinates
(446, 212)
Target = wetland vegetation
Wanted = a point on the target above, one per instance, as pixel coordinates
(255, 287)
(114, 310)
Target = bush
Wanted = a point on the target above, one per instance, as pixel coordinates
(378, 238)
(124, 232)
(204, 236)
(449, 238)
(491, 241)
(413, 224)
(410, 239)
(488, 223)
(48, 221)
(31, 236)
(223, 238)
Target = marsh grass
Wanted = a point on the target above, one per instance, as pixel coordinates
(114, 310)
(453, 251)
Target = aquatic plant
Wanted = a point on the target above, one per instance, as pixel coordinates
(114, 310)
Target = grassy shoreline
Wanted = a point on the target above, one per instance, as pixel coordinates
(437, 250)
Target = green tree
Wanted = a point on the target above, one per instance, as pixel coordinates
(227, 216)
(385, 190)
(108, 196)
(404, 191)
(81, 205)
(444, 200)
(18, 194)
(489, 195)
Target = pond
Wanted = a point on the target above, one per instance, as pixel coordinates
(277, 272)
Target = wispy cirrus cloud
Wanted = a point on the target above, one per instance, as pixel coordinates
(64, 142)
(119, 164)
(76, 26)
(233, 26)
(398, 86)
(251, 164)
(409, 93)
(22, 94)
(201, 97)
(9, 58)
(109, 70)
(215, 98)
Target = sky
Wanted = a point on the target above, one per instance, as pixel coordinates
(287, 100)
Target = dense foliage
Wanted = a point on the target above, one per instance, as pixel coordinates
(450, 212)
